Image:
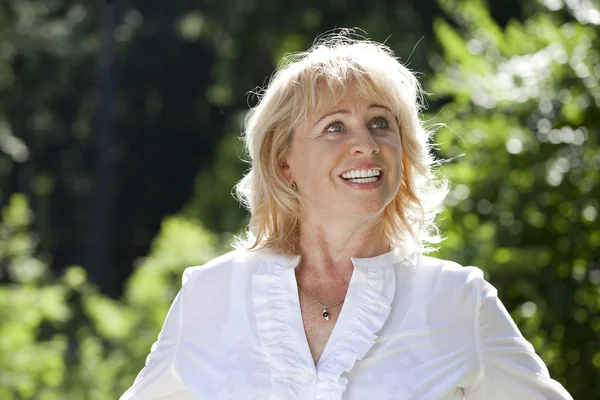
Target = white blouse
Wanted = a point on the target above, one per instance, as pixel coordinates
(411, 327)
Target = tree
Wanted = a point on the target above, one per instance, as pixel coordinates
(522, 117)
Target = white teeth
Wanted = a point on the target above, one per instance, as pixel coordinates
(364, 180)
(364, 173)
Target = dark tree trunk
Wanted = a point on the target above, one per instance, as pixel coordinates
(102, 267)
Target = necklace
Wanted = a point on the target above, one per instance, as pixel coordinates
(325, 312)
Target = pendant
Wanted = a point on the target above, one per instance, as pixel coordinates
(326, 314)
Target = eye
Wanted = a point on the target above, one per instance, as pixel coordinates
(380, 123)
(334, 127)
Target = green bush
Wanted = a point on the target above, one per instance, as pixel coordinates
(522, 115)
(62, 339)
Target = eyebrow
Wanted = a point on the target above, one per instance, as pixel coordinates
(346, 111)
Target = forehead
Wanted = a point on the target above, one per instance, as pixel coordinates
(331, 97)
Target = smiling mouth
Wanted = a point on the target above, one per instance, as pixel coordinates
(367, 176)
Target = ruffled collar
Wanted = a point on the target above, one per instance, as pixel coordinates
(395, 255)
(281, 331)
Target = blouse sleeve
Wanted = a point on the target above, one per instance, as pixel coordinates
(510, 368)
(159, 378)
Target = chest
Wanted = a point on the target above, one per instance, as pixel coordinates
(407, 364)
(316, 328)
(371, 350)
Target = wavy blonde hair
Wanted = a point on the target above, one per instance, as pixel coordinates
(315, 81)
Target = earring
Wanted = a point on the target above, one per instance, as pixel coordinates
(294, 187)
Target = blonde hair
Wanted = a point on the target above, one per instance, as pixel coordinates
(315, 81)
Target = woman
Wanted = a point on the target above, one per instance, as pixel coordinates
(330, 295)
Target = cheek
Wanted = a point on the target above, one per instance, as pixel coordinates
(393, 159)
(396, 142)
(391, 149)
(391, 140)
(309, 171)
(318, 162)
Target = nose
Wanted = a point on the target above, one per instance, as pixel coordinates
(363, 143)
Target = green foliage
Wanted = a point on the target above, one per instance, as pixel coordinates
(213, 202)
(60, 337)
(29, 356)
(524, 115)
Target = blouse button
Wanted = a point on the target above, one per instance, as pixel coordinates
(309, 376)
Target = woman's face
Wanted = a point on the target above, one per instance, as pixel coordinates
(346, 162)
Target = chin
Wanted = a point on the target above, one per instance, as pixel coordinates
(370, 209)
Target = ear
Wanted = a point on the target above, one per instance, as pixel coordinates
(287, 172)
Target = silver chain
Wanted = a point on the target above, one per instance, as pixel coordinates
(317, 301)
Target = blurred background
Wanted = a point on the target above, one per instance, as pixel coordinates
(119, 126)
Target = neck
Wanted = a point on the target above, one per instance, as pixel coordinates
(326, 248)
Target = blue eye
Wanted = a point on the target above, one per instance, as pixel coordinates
(334, 127)
(380, 123)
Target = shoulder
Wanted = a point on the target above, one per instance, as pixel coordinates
(449, 276)
(449, 285)
(233, 264)
(225, 280)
